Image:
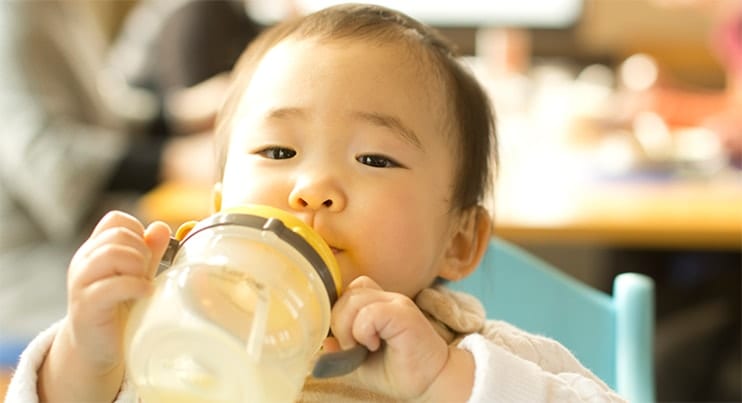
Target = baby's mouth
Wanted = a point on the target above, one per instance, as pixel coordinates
(335, 250)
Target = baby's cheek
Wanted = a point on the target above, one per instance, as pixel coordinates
(253, 190)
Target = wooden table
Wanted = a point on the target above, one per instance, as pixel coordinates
(676, 215)
(668, 214)
(4, 381)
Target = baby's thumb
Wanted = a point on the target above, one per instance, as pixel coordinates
(157, 237)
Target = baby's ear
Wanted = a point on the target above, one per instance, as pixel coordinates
(467, 244)
(216, 197)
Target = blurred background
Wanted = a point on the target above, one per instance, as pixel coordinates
(619, 121)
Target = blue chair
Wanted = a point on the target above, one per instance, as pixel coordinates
(610, 335)
(10, 352)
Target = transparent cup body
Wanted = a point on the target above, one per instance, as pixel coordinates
(238, 317)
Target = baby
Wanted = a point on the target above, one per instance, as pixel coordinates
(360, 121)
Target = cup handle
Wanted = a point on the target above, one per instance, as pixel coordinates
(340, 362)
(167, 258)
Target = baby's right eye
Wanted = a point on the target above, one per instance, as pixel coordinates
(276, 153)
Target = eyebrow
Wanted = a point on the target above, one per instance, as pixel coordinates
(374, 118)
(392, 123)
(284, 113)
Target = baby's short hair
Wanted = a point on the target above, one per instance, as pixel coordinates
(471, 116)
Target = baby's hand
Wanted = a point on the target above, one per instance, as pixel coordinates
(113, 267)
(412, 356)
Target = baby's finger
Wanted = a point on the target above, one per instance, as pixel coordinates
(363, 329)
(101, 297)
(112, 260)
(387, 320)
(364, 282)
(157, 237)
(118, 219)
(121, 234)
(346, 309)
(116, 235)
(102, 243)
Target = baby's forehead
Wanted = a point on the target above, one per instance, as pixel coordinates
(407, 56)
(408, 51)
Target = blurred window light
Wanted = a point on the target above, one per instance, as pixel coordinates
(521, 13)
(639, 72)
(653, 135)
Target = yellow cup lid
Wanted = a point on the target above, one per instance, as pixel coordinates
(288, 228)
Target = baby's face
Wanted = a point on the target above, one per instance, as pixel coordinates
(350, 138)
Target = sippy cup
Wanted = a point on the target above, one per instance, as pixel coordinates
(239, 314)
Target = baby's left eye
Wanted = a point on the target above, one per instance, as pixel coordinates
(377, 161)
(276, 153)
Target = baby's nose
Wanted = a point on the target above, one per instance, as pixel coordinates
(313, 205)
(317, 194)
